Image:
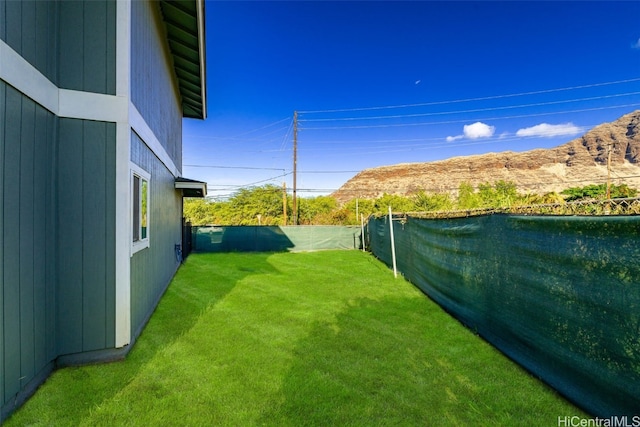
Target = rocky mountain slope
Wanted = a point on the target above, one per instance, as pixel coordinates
(580, 162)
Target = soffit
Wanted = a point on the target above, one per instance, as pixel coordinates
(184, 21)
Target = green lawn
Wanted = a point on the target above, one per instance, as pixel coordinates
(292, 339)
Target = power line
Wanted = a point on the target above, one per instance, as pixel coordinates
(476, 110)
(263, 127)
(467, 119)
(485, 98)
(234, 167)
(241, 186)
(235, 138)
(320, 172)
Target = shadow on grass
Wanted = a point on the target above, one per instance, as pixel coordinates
(201, 283)
(71, 394)
(403, 361)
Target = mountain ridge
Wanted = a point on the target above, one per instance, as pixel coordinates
(579, 162)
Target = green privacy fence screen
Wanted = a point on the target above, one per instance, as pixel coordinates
(559, 295)
(274, 238)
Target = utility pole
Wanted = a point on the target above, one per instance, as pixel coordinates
(609, 171)
(357, 210)
(607, 207)
(295, 167)
(284, 202)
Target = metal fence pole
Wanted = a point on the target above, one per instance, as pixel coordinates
(393, 244)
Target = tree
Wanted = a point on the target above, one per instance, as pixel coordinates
(505, 194)
(397, 203)
(247, 204)
(467, 197)
(598, 191)
(314, 210)
(198, 211)
(358, 207)
(433, 202)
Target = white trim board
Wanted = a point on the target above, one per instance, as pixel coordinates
(140, 126)
(123, 188)
(16, 71)
(146, 242)
(74, 104)
(24, 77)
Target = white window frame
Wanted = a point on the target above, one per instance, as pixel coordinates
(143, 175)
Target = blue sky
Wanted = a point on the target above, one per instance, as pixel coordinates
(387, 82)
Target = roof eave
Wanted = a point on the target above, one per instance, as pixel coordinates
(203, 57)
(185, 26)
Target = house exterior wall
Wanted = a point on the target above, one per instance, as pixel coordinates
(57, 238)
(155, 95)
(86, 229)
(154, 90)
(152, 268)
(27, 240)
(30, 29)
(86, 90)
(72, 42)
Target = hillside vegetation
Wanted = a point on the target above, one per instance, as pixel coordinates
(265, 205)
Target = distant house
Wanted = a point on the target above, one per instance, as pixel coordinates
(92, 98)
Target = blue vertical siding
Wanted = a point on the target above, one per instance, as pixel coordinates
(156, 97)
(154, 90)
(58, 188)
(27, 241)
(57, 239)
(11, 233)
(69, 226)
(87, 57)
(30, 28)
(152, 268)
(71, 42)
(86, 220)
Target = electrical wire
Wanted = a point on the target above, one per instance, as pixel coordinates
(263, 127)
(233, 138)
(476, 110)
(234, 167)
(485, 98)
(583, 110)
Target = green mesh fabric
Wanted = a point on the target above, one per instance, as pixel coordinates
(274, 238)
(559, 295)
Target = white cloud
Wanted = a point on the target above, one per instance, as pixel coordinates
(478, 130)
(636, 45)
(474, 131)
(549, 131)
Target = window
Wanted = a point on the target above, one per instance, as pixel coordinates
(139, 208)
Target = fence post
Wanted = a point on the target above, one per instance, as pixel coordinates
(362, 232)
(393, 244)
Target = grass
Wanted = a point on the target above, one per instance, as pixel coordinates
(294, 339)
